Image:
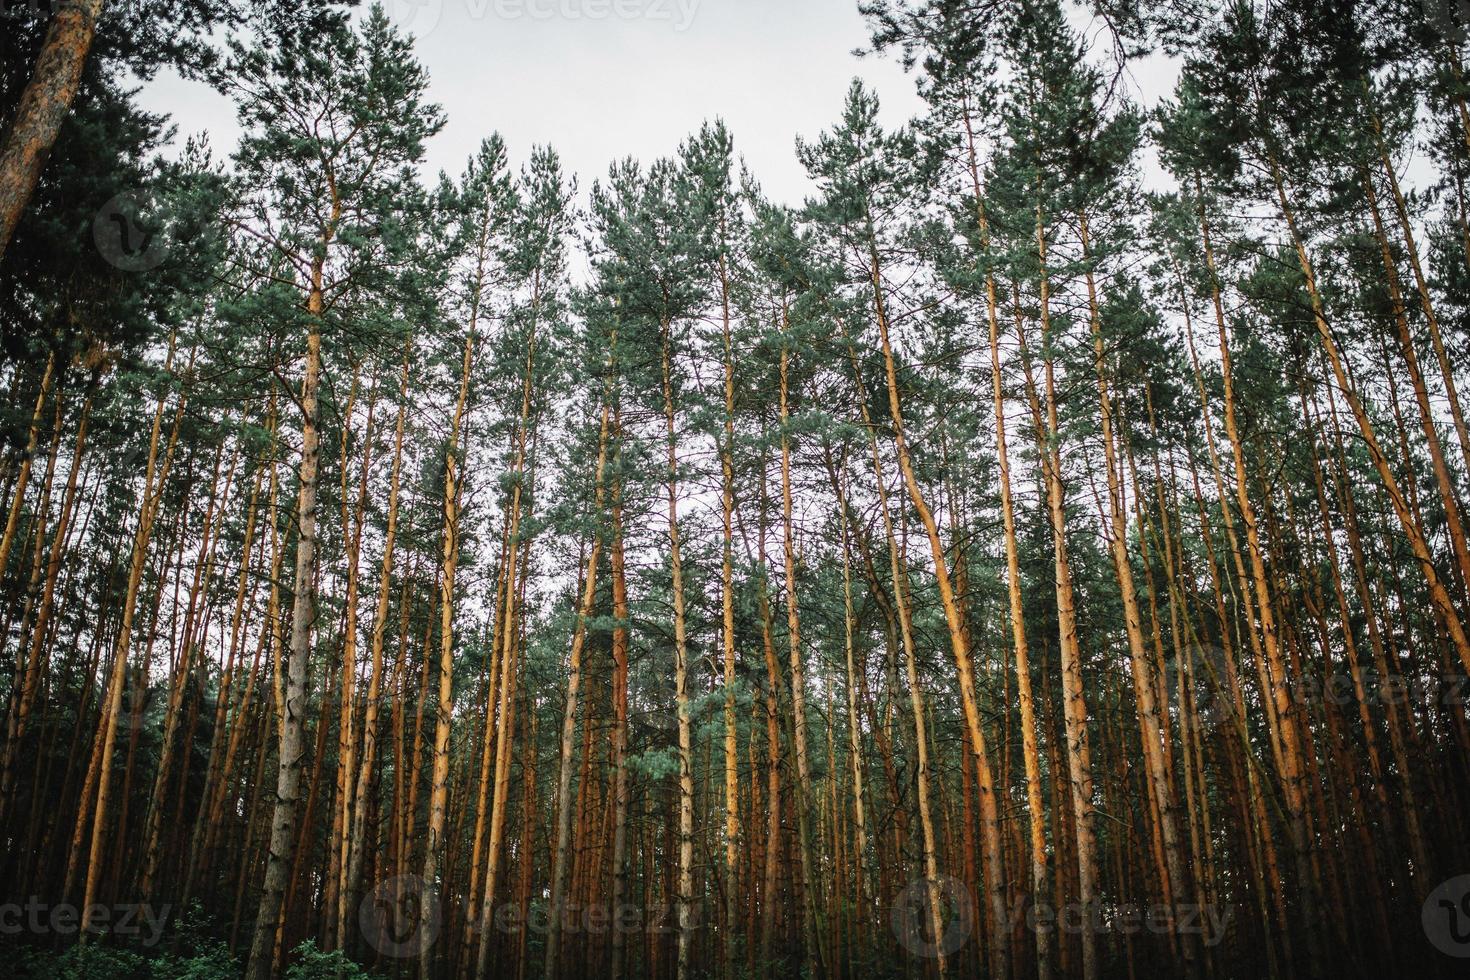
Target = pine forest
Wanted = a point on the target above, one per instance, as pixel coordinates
(1040, 551)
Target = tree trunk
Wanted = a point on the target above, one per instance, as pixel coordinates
(620, 706)
(569, 717)
(43, 108)
(727, 636)
(357, 801)
(1159, 777)
(1036, 808)
(154, 479)
(22, 479)
(685, 897)
(439, 782)
(814, 955)
(260, 965)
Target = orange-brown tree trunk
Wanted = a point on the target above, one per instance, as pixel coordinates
(43, 107)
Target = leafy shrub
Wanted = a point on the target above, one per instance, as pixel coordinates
(312, 964)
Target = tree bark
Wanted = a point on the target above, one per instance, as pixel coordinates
(43, 107)
(261, 965)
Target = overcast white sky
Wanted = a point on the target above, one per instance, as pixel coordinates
(603, 79)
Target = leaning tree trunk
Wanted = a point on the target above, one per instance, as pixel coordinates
(1036, 823)
(155, 476)
(22, 480)
(43, 107)
(898, 574)
(989, 807)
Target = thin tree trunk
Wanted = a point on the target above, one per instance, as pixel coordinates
(1036, 810)
(439, 782)
(154, 479)
(681, 676)
(1172, 873)
(509, 648)
(1074, 704)
(260, 965)
(620, 705)
(1280, 698)
(357, 802)
(569, 715)
(727, 634)
(22, 479)
(815, 960)
(899, 577)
